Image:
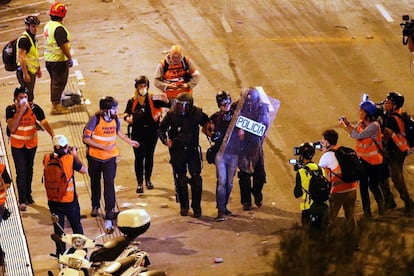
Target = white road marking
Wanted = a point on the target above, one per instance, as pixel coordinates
(384, 13)
(225, 24)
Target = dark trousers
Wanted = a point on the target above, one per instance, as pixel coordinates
(396, 163)
(107, 169)
(59, 72)
(144, 158)
(23, 162)
(183, 157)
(246, 187)
(29, 85)
(69, 210)
(370, 181)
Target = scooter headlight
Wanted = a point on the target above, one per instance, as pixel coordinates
(75, 263)
(78, 243)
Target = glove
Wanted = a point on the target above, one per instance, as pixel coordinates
(70, 62)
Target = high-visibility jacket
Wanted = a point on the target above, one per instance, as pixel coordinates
(175, 74)
(53, 52)
(367, 149)
(26, 133)
(155, 111)
(67, 161)
(399, 138)
(105, 133)
(32, 57)
(305, 177)
(3, 194)
(338, 185)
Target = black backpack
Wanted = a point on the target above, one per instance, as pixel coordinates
(409, 127)
(351, 166)
(9, 55)
(319, 186)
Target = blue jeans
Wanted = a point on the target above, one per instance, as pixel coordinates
(225, 170)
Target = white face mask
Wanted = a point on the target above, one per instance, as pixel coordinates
(143, 91)
(23, 101)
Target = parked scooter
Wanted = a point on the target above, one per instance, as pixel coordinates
(119, 256)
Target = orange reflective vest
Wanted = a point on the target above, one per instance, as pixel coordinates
(3, 194)
(105, 133)
(155, 111)
(367, 149)
(175, 74)
(399, 138)
(338, 185)
(26, 133)
(67, 161)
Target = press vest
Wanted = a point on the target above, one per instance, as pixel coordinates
(67, 161)
(305, 180)
(3, 194)
(105, 133)
(32, 57)
(399, 138)
(26, 133)
(53, 52)
(155, 111)
(175, 74)
(367, 149)
(338, 185)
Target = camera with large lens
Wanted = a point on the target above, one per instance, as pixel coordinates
(407, 28)
(298, 163)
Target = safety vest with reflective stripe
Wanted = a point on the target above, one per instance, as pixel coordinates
(3, 194)
(305, 181)
(155, 111)
(32, 57)
(53, 52)
(338, 185)
(26, 133)
(67, 161)
(367, 149)
(105, 133)
(175, 74)
(399, 138)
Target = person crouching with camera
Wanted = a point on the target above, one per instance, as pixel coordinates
(314, 216)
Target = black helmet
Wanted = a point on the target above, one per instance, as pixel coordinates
(32, 20)
(141, 80)
(396, 99)
(253, 96)
(21, 89)
(307, 150)
(223, 98)
(183, 104)
(107, 102)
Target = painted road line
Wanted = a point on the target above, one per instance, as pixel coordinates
(384, 13)
(225, 24)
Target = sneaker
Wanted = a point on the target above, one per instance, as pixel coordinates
(140, 189)
(58, 109)
(109, 228)
(184, 212)
(30, 201)
(22, 207)
(197, 213)
(247, 207)
(221, 216)
(95, 212)
(149, 185)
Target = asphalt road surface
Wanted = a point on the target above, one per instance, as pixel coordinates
(316, 57)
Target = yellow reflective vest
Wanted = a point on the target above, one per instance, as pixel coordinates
(53, 52)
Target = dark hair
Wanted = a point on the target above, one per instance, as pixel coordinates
(331, 136)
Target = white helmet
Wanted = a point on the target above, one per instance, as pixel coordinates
(60, 140)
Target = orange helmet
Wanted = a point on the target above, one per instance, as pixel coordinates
(58, 9)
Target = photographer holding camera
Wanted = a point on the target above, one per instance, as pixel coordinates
(314, 216)
(68, 204)
(408, 32)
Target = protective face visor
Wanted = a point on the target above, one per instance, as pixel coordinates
(225, 102)
(182, 108)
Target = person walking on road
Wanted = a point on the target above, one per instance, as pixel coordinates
(143, 113)
(179, 131)
(57, 55)
(28, 66)
(68, 205)
(176, 73)
(226, 166)
(5, 183)
(22, 117)
(100, 135)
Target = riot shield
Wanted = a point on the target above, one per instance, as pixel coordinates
(254, 114)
